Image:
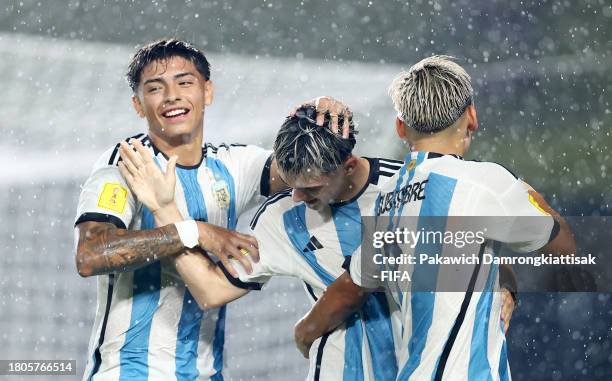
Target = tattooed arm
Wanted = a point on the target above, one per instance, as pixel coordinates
(103, 248)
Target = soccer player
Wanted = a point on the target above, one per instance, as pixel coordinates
(147, 324)
(445, 335)
(309, 234)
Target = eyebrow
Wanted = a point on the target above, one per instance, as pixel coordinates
(160, 79)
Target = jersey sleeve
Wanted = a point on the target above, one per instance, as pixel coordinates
(250, 168)
(363, 271)
(276, 256)
(105, 196)
(516, 219)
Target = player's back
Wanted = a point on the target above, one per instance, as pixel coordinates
(457, 335)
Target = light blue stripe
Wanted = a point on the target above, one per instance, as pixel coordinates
(218, 345)
(133, 356)
(188, 333)
(420, 158)
(479, 367)
(438, 195)
(347, 220)
(294, 221)
(391, 226)
(380, 336)
(353, 339)
(221, 173)
(504, 371)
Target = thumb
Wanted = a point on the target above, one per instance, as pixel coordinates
(171, 169)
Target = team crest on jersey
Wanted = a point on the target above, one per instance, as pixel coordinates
(220, 192)
(113, 197)
(411, 165)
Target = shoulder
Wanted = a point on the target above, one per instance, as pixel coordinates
(382, 169)
(488, 175)
(273, 208)
(110, 157)
(225, 150)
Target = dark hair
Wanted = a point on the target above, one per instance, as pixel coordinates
(302, 146)
(162, 50)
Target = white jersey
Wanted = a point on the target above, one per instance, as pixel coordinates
(314, 246)
(147, 325)
(456, 335)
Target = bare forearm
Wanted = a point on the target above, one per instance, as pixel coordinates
(205, 280)
(103, 248)
(341, 299)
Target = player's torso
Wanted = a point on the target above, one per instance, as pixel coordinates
(442, 332)
(322, 241)
(153, 328)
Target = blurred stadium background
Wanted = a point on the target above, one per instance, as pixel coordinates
(541, 71)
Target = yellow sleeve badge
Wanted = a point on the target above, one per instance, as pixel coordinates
(113, 197)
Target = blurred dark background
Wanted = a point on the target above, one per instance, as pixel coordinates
(541, 70)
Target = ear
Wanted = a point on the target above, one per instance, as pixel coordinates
(472, 118)
(137, 106)
(350, 164)
(400, 128)
(209, 92)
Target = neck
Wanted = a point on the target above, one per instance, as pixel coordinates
(188, 148)
(439, 147)
(358, 180)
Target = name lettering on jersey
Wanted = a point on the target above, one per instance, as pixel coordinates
(409, 193)
(113, 197)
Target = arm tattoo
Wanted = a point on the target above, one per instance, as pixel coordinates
(103, 248)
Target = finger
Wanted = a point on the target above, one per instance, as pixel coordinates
(243, 259)
(320, 118)
(171, 169)
(228, 266)
(128, 153)
(129, 165)
(252, 249)
(249, 238)
(142, 151)
(334, 123)
(126, 174)
(346, 126)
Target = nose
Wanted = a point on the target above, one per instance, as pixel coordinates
(171, 94)
(299, 196)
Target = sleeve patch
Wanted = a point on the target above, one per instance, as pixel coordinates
(113, 197)
(537, 206)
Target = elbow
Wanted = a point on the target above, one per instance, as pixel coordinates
(83, 268)
(83, 264)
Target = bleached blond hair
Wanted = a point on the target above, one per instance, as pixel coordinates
(432, 94)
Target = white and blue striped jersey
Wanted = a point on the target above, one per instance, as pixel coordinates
(455, 335)
(314, 246)
(147, 325)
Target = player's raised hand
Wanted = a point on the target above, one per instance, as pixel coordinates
(333, 107)
(226, 244)
(151, 186)
(507, 308)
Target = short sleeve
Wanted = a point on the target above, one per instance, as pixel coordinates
(105, 196)
(516, 219)
(363, 276)
(276, 253)
(249, 166)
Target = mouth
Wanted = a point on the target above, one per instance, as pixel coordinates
(177, 114)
